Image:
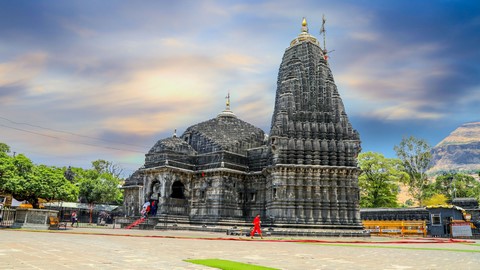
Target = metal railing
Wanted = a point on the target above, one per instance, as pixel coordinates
(7, 217)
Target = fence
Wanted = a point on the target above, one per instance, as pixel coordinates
(7, 217)
(86, 217)
(396, 227)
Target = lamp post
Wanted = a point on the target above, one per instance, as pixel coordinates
(454, 189)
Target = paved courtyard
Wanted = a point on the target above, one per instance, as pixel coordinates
(134, 249)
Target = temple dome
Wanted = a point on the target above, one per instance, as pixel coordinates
(172, 144)
(225, 132)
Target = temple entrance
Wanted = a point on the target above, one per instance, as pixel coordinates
(178, 190)
(177, 203)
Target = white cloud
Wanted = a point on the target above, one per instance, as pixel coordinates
(23, 69)
(404, 112)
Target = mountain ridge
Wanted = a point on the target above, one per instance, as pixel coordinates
(459, 151)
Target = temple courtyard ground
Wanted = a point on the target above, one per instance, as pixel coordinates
(88, 248)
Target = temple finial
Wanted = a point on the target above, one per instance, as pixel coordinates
(228, 101)
(175, 133)
(304, 25)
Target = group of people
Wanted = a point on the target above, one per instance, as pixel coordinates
(149, 208)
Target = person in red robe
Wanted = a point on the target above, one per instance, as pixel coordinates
(256, 227)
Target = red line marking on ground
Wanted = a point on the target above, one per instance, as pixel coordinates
(404, 241)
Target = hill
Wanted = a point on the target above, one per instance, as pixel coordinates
(459, 151)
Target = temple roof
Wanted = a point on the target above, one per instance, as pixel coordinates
(172, 144)
(227, 132)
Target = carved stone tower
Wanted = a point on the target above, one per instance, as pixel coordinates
(313, 178)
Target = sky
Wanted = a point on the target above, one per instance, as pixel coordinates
(87, 80)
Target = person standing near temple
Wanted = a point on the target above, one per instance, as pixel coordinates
(74, 218)
(153, 208)
(256, 227)
(145, 209)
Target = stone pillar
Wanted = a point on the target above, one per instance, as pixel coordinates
(316, 152)
(326, 203)
(333, 196)
(342, 200)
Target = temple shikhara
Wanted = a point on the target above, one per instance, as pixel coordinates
(302, 177)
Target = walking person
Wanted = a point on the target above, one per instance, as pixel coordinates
(74, 218)
(256, 227)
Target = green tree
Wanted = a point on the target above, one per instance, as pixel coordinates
(103, 166)
(436, 199)
(54, 185)
(99, 185)
(415, 157)
(4, 148)
(379, 180)
(456, 185)
(18, 179)
(27, 181)
(7, 167)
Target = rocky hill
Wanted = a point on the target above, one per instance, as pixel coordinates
(459, 151)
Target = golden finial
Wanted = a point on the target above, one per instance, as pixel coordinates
(304, 25)
(228, 101)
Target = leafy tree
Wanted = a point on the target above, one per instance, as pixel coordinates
(415, 157)
(379, 180)
(100, 185)
(4, 148)
(103, 166)
(54, 184)
(435, 200)
(7, 167)
(454, 185)
(17, 173)
(29, 182)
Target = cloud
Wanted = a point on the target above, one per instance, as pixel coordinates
(405, 111)
(144, 70)
(9, 92)
(22, 69)
(18, 76)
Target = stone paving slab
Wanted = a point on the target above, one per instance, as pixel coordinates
(136, 249)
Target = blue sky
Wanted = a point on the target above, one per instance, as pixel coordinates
(87, 80)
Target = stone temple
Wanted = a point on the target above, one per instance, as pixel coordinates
(302, 178)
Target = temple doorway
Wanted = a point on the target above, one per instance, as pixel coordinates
(178, 190)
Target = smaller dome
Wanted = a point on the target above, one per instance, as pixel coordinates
(173, 144)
